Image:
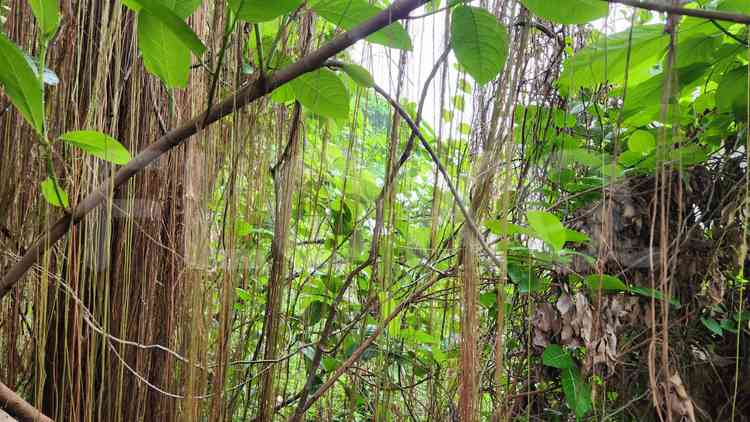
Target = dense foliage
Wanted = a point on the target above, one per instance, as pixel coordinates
(546, 222)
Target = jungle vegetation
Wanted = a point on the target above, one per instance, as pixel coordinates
(373, 210)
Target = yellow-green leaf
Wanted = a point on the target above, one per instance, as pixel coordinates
(98, 144)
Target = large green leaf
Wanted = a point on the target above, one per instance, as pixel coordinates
(548, 228)
(262, 10)
(557, 357)
(323, 93)
(20, 83)
(181, 8)
(98, 144)
(163, 53)
(172, 15)
(47, 14)
(569, 11)
(348, 14)
(731, 96)
(605, 59)
(480, 42)
(359, 75)
(577, 392)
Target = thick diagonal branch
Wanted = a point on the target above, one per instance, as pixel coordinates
(261, 87)
(19, 408)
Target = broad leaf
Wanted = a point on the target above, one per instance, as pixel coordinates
(480, 42)
(642, 142)
(577, 392)
(568, 12)
(359, 75)
(605, 60)
(323, 93)
(47, 14)
(262, 10)
(557, 357)
(548, 228)
(163, 53)
(98, 145)
(20, 83)
(51, 195)
(174, 20)
(605, 282)
(731, 96)
(348, 14)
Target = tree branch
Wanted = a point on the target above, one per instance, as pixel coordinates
(696, 13)
(398, 10)
(19, 408)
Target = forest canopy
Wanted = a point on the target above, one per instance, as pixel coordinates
(373, 210)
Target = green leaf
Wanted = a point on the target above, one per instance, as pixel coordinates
(262, 10)
(568, 12)
(731, 95)
(575, 236)
(20, 83)
(348, 14)
(607, 58)
(359, 75)
(98, 144)
(174, 20)
(47, 14)
(737, 6)
(557, 357)
(605, 282)
(50, 194)
(163, 53)
(323, 93)
(651, 293)
(181, 8)
(480, 42)
(642, 141)
(526, 278)
(712, 325)
(548, 228)
(577, 392)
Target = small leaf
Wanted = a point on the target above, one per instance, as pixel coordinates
(605, 282)
(557, 357)
(526, 278)
(575, 236)
(349, 14)
(569, 12)
(359, 75)
(323, 93)
(47, 14)
(262, 10)
(20, 83)
(480, 42)
(712, 325)
(548, 228)
(51, 195)
(651, 293)
(98, 144)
